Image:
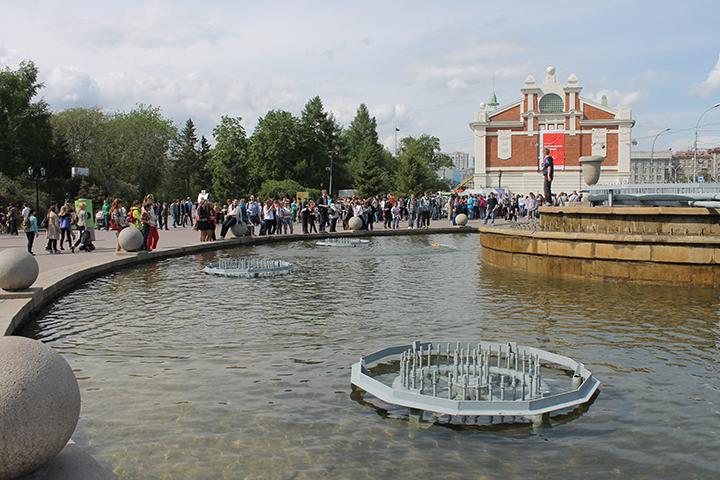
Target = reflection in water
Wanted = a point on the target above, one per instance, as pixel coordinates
(189, 376)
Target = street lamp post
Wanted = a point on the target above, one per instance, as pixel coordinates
(332, 154)
(36, 179)
(697, 125)
(652, 153)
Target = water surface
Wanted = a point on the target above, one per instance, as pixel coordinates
(190, 376)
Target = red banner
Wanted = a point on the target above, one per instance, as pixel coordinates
(554, 140)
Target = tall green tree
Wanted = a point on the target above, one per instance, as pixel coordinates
(204, 177)
(228, 164)
(141, 141)
(275, 149)
(187, 165)
(25, 131)
(126, 152)
(418, 162)
(319, 136)
(370, 177)
(84, 131)
(369, 164)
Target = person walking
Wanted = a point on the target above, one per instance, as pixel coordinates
(117, 220)
(65, 217)
(285, 212)
(149, 219)
(106, 215)
(164, 214)
(53, 230)
(31, 232)
(14, 218)
(492, 208)
(82, 219)
(425, 209)
(323, 204)
(412, 208)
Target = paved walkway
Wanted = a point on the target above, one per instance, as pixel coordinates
(105, 243)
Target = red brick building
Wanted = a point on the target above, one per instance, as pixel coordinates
(510, 138)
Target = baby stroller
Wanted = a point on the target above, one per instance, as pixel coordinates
(86, 242)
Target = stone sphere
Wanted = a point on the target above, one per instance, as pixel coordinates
(130, 239)
(18, 269)
(239, 229)
(355, 223)
(461, 220)
(39, 405)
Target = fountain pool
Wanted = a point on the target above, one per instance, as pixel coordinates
(189, 376)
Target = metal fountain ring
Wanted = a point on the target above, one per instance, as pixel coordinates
(343, 242)
(248, 268)
(477, 379)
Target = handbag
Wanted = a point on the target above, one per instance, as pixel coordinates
(115, 226)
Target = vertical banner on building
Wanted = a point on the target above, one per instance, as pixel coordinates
(553, 140)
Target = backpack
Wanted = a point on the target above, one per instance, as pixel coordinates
(27, 223)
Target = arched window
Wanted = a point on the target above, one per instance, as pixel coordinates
(551, 103)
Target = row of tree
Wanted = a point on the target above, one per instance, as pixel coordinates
(130, 154)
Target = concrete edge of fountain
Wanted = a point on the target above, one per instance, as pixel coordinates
(645, 258)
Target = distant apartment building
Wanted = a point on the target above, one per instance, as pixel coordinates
(706, 168)
(669, 167)
(652, 167)
(461, 160)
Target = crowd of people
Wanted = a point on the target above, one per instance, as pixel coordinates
(508, 207)
(270, 216)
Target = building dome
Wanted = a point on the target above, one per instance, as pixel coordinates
(493, 101)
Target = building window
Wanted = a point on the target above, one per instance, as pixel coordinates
(551, 103)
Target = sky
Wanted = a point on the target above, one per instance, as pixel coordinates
(422, 67)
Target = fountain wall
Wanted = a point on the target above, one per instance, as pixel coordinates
(646, 244)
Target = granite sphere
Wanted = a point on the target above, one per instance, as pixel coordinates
(355, 223)
(18, 269)
(461, 220)
(130, 239)
(239, 229)
(39, 405)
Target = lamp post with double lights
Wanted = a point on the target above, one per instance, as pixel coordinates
(697, 125)
(652, 154)
(36, 179)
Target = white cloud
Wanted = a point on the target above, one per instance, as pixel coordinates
(391, 113)
(204, 96)
(704, 89)
(465, 69)
(70, 86)
(649, 76)
(152, 25)
(11, 58)
(618, 99)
